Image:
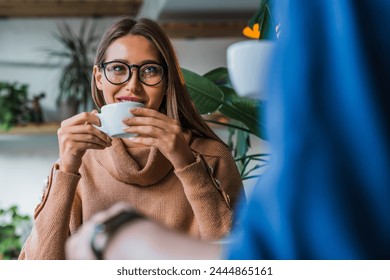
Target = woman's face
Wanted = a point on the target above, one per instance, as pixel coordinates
(131, 49)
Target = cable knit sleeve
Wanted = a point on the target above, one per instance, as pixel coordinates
(51, 218)
(212, 185)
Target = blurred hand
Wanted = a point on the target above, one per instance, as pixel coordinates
(78, 245)
(138, 239)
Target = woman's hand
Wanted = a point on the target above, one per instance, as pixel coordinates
(156, 129)
(75, 136)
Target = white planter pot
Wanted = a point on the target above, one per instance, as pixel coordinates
(248, 63)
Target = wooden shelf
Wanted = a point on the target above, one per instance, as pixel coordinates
(32, 129)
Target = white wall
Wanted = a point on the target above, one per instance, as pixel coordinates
(25, 162)
(202, 55)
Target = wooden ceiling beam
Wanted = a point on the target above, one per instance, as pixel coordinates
(176, 25)
(68, 8)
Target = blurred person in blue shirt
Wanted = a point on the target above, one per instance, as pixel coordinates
(326, 194)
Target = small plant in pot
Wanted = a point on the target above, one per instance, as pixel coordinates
(75, 79)
(14, 105)
(248, 60)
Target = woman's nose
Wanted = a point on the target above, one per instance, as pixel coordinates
(134, 84)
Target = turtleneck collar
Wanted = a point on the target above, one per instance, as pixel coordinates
(142, 166)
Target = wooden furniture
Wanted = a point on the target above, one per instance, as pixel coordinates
(32, 129)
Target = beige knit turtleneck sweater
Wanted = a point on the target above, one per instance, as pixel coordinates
(194, 200)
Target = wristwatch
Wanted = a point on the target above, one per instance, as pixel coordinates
(104, 231)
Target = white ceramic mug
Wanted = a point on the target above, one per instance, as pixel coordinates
(112, 115)
(248, 63)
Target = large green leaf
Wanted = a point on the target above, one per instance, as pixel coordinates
(219, 76)
(243, 109)
(206, 95)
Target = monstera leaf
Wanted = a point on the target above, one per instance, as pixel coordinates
(219, 76)
(207, 96)
(212, 92)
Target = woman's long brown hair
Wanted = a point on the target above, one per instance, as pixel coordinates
(177, 104)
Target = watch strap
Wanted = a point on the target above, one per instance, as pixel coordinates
(108, 228)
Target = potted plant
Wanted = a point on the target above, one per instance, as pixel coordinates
(14, 228)
(252, 57)
(13, 105)
(75, 78)
(237, 96)
(262, 25)
(213, 92)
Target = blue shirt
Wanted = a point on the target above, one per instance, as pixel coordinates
(326, 194)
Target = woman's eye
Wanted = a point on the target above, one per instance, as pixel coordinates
(117, 68)
(150, 70)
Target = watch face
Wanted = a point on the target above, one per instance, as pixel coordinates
(100, 240)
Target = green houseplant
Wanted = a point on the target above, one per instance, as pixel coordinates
(75, 79)
(268, 28)
(13, 230)
(13, 105)
(214, 92)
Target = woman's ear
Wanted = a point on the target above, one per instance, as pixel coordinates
(98, 77)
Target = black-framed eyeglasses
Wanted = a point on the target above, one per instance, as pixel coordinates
(118, 72)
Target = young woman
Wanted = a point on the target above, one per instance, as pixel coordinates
(176, 171)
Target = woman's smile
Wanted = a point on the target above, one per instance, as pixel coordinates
(129, 99)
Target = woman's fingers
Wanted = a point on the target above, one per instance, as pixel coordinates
(74, 146)
(82, 118)
(75, 136)
(143, 121)
(85, 129)
(86, 138)
(146, 130)
(145, 112)
(154, 126)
